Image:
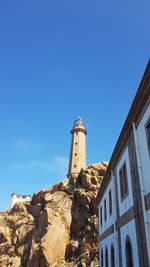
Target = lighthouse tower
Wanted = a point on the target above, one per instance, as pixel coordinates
(77, 151)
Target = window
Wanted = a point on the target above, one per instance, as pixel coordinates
(147, 127)
(75, 154)
(123, 181)
(110, 203)
(112, 257)
(101, 216)
(76, 144)
(102, 259)
(129, 256)
(76, 133)
(105, 213)
(106, 257)
(75, 166)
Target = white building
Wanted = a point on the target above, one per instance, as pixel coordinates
(18, 198)
(124, 196)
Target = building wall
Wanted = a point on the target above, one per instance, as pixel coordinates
(129, 230)
(108, 242)
(144, 158)
(110, 219)
(143, 150)
(132, 213)
(148, 216)
(18, 198)
(126, 203)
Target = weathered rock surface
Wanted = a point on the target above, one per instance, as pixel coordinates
(58, 228)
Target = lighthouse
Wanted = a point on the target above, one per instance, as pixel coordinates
(78, 148)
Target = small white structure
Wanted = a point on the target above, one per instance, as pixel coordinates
(124, 196)
(18, 198)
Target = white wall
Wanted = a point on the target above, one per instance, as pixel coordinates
(126, 203)
(143, 150)
(129, 229)
(17, 198)
(111, 239)
(148, 229)
(110, 218)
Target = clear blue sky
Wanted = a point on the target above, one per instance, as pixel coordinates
(60, 59)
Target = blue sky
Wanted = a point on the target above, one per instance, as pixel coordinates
(58, 60)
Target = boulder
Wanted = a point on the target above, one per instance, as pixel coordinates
(58, 227)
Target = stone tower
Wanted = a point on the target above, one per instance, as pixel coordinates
(77, 152)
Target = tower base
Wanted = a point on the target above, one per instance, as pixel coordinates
(72, 175)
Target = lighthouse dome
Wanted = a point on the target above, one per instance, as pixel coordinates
(79, 121)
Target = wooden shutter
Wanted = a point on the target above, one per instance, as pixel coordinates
(125, 179)
(121, 182)
(101, 216)
(110, 202)
(105, 213)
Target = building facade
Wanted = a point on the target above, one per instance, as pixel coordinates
(18, 198)
(78, 148)
(124, 196)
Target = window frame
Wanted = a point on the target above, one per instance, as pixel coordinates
(147, 135)
(105, 210)
(110, 202)
(128, 241)
(106, 257)
(112, 255)
(124, 188)
(102, 258)
(101, 215)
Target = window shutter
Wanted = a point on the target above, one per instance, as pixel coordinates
(101, 214)
(125, 179)
(121, 183)
(110, 202)
(148, 129)
(105, 214)
(148, 135)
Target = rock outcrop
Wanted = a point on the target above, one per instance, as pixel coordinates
(58, 227)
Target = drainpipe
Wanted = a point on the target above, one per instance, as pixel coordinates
(115, 219)
(142, 189)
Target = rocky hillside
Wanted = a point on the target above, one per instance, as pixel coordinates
(58, 228)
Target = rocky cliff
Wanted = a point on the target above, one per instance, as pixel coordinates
(58, 227)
